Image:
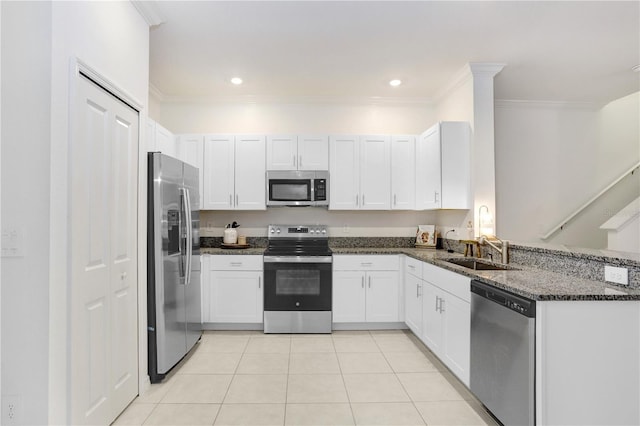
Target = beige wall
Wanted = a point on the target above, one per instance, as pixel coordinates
(552, 158)
(40, 41)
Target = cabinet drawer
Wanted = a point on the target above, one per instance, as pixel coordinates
(413, 266)
(349, 262)
(456, 284)
(233, 262)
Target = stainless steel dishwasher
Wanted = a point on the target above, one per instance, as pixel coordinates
(502, 373)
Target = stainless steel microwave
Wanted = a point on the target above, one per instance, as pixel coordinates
(298, 188)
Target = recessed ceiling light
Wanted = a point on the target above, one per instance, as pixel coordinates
(395, 83)
(236, 80)
(636, 68)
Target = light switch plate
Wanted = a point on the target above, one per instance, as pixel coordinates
(616, 275)
(12, 242)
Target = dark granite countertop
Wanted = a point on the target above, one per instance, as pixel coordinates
(532, 283)
(259, 251)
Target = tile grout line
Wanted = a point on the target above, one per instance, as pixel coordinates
(413, 402)
(286, 389)
(344, 383)
(233, 376)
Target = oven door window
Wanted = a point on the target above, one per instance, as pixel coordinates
(295, 286)
(290, 190)
(297, 282)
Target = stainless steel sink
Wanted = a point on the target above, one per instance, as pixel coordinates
(479, 265)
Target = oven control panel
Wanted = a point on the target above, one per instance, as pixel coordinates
(298, 231)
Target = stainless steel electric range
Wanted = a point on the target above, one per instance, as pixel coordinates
(297, 280)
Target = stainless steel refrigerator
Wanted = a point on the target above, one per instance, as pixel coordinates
(173, 270)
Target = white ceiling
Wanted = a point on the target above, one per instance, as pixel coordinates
(554, 51)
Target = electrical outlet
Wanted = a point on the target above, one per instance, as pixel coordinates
(10, 410)
(616, 275)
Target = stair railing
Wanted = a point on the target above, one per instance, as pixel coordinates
(579, 210)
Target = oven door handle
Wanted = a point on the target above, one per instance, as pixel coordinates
(298, 259)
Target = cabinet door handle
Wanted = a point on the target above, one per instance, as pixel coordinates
(363, 281)
(437, 298)
(441, 305)
(259, 282)
(235, 263)
(417, 291)
(411, 266)
(436, 196)
(394, 200)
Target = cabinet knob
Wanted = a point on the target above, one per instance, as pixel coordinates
(297, 304)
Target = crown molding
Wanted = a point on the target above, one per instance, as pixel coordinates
(539, 104)
(486, 69)
(458, 79)
(150, 11)
(155, 93)
(470, 70)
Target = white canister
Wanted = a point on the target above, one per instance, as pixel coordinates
(230, 236)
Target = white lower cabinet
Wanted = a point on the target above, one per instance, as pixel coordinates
(232, 289)
(413, 294)
(366, 288)
(438, 311)
(349, 303)
(587, 369)
(455, 344)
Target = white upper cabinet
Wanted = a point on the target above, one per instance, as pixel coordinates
(403, 177)
(360, 172)
(250, 189)
(313, 152)
(282, 152)
(375, 172)
(443, 167)
(234, 172)
(344, 174)
(160, 139)
(190, 150)
(219, 172)
(287, 152)
(428, 185)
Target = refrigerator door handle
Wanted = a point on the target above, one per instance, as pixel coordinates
(189, 237)
(184, 237)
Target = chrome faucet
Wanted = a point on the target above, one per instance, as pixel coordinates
(503, 249)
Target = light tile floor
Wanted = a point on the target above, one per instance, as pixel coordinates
(345, 378)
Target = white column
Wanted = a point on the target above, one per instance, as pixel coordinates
(483, 176)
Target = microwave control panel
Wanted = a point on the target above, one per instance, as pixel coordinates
(320, 189)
